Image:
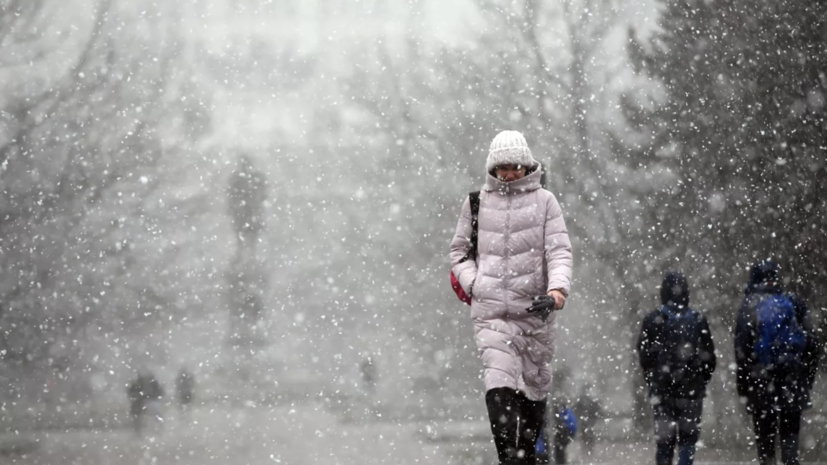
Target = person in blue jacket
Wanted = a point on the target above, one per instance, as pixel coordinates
(776, 354)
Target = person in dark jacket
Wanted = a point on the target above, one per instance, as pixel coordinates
(678, 357)
(185, 387)
(588, 410)
(564, 418)
(774, 395)
(142, 392)
(368, 369)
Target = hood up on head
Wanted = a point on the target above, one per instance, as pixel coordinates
(674, 291)
(764, 277)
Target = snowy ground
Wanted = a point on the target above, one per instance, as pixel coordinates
(303, 434)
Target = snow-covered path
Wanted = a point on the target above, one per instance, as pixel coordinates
(305, 434)
(302, 434)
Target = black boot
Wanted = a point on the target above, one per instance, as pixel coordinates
(504, 409)
(532, 420)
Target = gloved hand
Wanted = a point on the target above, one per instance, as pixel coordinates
(542, 306)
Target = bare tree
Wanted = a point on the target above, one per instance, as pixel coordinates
(246, 195)
(85, 173)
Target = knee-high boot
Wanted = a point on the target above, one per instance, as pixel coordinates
(504, 409)
(532, 420)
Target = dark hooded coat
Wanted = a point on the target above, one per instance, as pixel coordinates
(664, 381)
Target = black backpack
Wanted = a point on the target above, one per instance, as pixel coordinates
(679, 368)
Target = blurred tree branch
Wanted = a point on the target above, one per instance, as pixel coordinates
(66, 227)
(40, 107)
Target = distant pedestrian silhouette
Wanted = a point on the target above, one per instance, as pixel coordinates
(144, 394)
(588, 411)
(368, 369)
(185, 388)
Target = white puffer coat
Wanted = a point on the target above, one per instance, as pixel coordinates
(523, 250)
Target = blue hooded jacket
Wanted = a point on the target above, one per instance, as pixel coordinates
(753, 379)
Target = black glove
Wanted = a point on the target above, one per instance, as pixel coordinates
(542, 306)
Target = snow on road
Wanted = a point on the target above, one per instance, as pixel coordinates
(302, 434)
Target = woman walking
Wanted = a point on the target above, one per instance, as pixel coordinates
(520, 272)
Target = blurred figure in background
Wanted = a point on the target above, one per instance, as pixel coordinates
(565, 428)
(144, 394)
(588, 410)
(561, 425)
(368, 369)
(185, 387)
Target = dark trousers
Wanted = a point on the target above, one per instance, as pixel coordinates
(515, 422)
(677, 422)
(561, 441)
(770, 422)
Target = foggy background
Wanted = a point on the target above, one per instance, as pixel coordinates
(264, 193)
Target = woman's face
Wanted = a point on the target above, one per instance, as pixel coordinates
(508, 173)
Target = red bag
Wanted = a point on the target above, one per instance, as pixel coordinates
(472, 251)
(458, 290)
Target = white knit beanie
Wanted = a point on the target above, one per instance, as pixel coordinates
(509, 148)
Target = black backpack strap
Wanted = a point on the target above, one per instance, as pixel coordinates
(474, 198)
(475, 220)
